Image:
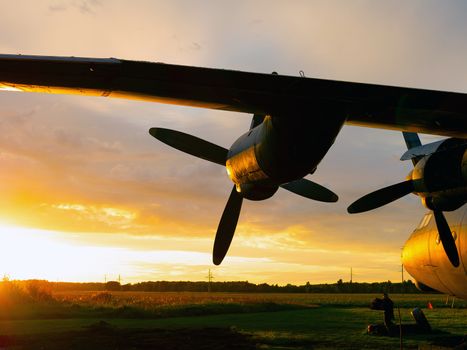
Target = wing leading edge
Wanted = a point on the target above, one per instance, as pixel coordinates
(398, 108)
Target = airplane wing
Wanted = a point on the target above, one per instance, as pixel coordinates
(379, 106)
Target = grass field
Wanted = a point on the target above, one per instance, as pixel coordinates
(144, 320)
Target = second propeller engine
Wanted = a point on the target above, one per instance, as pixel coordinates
(439, 177)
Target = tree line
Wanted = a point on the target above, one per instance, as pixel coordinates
(233, 286)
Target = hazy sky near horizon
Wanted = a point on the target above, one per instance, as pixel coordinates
(86, 192)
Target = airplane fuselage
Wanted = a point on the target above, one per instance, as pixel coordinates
(424, 258)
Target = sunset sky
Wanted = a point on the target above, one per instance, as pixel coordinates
(87, 193)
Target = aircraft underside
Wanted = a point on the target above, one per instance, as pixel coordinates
(424, 258)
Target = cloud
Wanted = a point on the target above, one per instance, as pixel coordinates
(58, 7)
(83, 6)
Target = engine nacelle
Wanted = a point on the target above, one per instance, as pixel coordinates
(242, 161)
(441, 179)
(244, 165)
(279, 150)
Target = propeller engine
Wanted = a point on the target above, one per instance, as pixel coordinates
(439, 177)
(252, 166)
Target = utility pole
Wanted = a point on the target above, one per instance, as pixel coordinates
(351, 275)
(119, 279)
(402, 270)
(402, 276)
(210, 277)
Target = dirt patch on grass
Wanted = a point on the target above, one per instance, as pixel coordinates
(104, 336)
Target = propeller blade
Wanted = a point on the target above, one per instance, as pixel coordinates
(311, 190)
(446, 238)
(227, 225)
(381, 197)
(191, 145)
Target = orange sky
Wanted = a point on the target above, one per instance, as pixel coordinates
(86, 192)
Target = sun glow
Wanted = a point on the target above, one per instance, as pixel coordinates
(28, 254)
(4, 87)
(55, 256)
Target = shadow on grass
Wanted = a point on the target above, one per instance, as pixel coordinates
(104, 336)
(434, 339)
(442, 339)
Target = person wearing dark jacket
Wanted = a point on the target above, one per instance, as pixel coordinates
(388, 307)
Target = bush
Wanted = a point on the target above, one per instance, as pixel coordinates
(39, 290)
(11, 292)
(103, 298)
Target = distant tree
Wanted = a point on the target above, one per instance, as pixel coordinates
(113, 286)
(35, 288)
(125, 287)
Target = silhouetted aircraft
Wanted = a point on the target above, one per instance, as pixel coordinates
(430, 254)
(295, 122)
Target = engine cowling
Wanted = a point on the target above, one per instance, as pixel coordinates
(441, 179)
(259, 161)
(244, 165)
(280, 151)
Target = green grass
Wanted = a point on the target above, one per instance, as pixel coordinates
(318, 327)
(282, 321)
